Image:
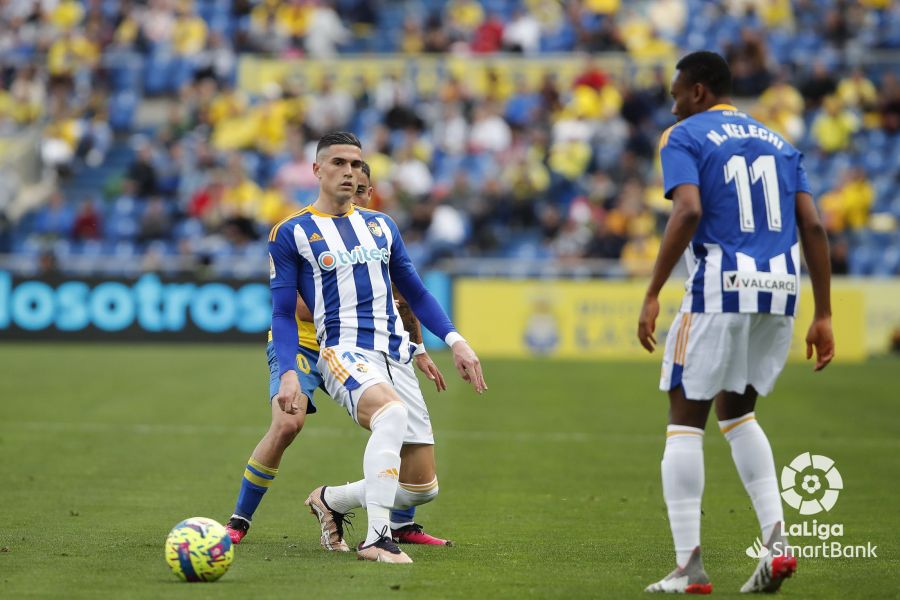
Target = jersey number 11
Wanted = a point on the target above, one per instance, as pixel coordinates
(762, 168)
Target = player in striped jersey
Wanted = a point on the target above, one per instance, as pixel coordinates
(739, 196)
(262, 467)
(342, 259)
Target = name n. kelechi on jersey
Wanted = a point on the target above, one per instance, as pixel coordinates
(330, 260)
(759, 281)
(739, 132)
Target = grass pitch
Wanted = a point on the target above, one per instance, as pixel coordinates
(549, 482)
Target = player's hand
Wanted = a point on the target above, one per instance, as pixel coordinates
(288, 397)
(647, 322)
(821, 337)
(468, 365)
(427, 366)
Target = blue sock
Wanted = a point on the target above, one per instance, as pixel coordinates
(257, 478)
(403, 517)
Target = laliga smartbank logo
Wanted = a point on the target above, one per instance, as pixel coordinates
(811, 484)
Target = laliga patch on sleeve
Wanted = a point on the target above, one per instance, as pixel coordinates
(271, 267)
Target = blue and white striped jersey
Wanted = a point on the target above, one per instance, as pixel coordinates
(343, 266)
(744, 256)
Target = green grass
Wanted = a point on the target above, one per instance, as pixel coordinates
(549, 482)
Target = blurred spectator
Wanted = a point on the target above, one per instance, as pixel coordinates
(489, 133)
(834, 127)
(818, 85)
(437, 38)
(330, 109)
(463, 17)
(748, 61)
(522, 33)
(87, 222)
(296, 174)
(190, 31)
(780, 108)
(156, 222)
(847, 207)
(158, 23)
(889, 103)
(326, 31)
(857, 92)
(54, 220)
(488, 37)
(411, 175)
(591, 76)
(668, 16)
(451, 131)
(143, 172)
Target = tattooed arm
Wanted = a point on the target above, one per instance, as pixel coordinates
(412, 325)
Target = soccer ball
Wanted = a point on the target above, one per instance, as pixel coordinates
(199, 549)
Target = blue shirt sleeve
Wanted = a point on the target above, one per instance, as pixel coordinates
(284, 270)
(679, 159)
(802, 181)
(423, 304)
(284, 260)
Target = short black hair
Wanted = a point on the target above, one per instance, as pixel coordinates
(367, 171)
(337, 138)
(707, 68)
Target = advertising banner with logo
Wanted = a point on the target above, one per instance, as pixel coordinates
(594, 319)
(144, 309)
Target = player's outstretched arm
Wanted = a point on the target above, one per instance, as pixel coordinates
(283, 276)
(814, 240)
(420, 356)
(285, 339)
(686, 213)
(468, 365)
(432, 315)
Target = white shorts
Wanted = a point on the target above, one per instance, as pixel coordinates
(709, 353)
(349, 371)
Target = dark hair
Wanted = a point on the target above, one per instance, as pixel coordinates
(707, 68)
(338, 138)
(367, 171)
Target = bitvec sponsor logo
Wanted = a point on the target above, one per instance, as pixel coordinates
(329, 260)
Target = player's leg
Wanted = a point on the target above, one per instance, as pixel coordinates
(682, 462)
(418, 485)
(356, 381)
(262, 467)
(769, 341)
(418, 472)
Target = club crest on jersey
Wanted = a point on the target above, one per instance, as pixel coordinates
(375, 228)
(330, 260)
(362, 368)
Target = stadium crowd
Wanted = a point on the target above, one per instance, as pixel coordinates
(162, 159)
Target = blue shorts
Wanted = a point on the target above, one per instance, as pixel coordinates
(307, 372)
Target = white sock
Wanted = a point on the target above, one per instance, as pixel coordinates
(682, 479)
(753, 458)
(412, 494)
(344, 498)
(381, 466)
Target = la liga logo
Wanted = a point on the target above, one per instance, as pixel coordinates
(811, 484)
